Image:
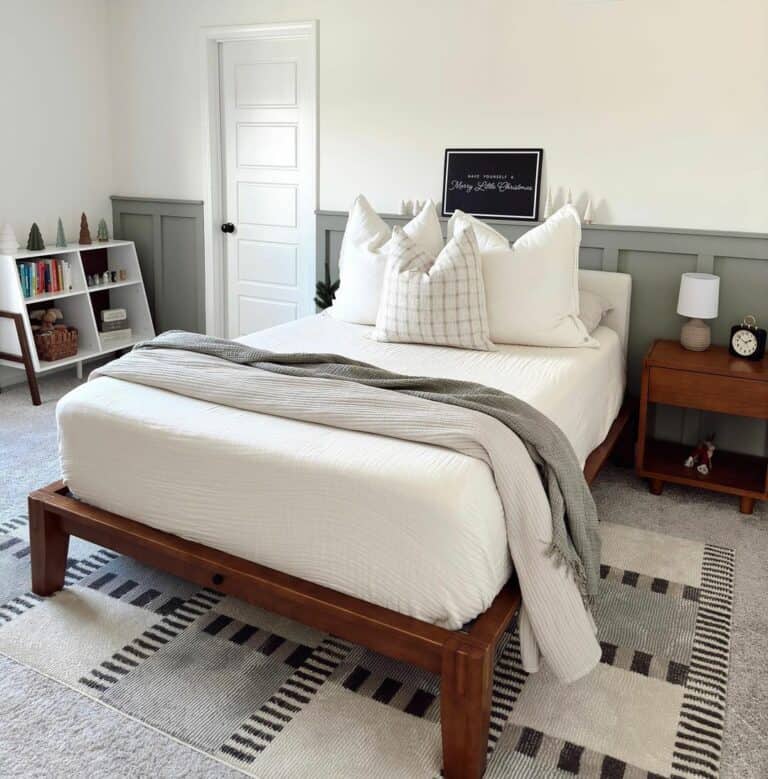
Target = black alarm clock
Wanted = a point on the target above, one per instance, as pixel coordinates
(747, 340)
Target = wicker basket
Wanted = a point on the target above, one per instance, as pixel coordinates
(57, 343)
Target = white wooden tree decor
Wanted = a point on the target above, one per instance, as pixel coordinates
(8, 242)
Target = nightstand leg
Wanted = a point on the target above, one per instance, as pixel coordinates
(746, 505)
(656, 486)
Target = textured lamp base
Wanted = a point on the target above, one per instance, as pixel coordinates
(695, 335)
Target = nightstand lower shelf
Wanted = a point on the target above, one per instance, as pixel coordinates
(735, 474)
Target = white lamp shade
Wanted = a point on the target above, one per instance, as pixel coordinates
(699, 295)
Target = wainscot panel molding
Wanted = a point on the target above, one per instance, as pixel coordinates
(655, 257)
(169, 241)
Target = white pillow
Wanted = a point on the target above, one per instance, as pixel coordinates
(488, 239)
(432, 299)
(532, 289)
(592, 309)
(363, 258)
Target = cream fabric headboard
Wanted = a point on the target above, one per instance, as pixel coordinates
(615, 288)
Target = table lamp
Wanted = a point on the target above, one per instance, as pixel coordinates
(699, 293)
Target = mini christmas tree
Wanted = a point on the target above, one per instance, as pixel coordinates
(102, 234)
(85, 233)
(35, 241)
(61, 239)
(548, 208)
(8, 242)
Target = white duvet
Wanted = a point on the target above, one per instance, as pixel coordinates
(412, 527)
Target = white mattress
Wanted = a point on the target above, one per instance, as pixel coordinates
(414, 528)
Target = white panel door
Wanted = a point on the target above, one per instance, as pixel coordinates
(268, 115)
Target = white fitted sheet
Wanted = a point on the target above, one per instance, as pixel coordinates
(412, 527)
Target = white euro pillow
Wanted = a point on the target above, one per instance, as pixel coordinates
(488, 239)
(532, 288)
(364, 254)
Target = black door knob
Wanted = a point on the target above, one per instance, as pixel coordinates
(227, 227)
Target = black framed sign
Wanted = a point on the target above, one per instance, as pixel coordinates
(495, 183)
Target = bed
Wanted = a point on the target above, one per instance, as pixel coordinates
(346, 517)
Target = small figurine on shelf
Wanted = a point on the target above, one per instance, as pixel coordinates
(102, 234)
(105, 277)
(588, 213)
(701, 456)
(61, 239)
(35, 242)
(85, 233)
(8, 242)
(46, 318)
(50, 317)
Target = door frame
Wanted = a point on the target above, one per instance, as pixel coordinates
(213, 165)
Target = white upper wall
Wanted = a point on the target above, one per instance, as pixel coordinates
(658, 109)
(55, 144)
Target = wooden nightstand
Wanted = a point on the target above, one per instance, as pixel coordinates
(709, 381)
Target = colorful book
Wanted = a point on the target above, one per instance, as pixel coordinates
(66, 284)
(28, 276)
(45, 277)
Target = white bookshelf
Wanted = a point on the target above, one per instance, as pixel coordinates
(78, 304)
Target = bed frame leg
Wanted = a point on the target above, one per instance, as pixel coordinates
(49, 545)
(465, 706)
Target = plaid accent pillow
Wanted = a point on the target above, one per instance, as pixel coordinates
(430, 300)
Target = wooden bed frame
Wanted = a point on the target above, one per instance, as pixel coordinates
(463, 659)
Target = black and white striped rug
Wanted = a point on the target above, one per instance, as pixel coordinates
(277, 699)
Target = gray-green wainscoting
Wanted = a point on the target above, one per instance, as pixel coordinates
(169, 242)
(654, 257)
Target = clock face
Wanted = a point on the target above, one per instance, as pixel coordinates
(744, 343)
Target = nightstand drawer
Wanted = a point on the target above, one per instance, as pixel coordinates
(709, 392)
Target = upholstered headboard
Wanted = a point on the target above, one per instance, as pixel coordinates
(616, 289)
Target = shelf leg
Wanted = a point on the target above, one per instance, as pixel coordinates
(79, 370)
(656, 486)
(746, 504)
